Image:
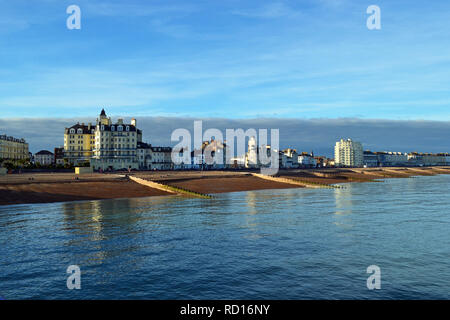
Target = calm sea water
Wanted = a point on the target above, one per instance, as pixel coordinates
(272, 244)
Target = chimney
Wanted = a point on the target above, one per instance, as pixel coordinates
(89, 126)
(133, 122)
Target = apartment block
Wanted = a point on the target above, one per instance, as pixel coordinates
(13, 149)
(348, 153)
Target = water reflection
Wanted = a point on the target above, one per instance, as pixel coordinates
(100, 225)
(343, 199)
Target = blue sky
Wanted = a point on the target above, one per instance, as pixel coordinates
(227, 59)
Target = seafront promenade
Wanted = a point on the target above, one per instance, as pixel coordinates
(61, 187)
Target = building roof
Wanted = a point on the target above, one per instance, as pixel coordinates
(8, 138)
(161, 149)
(44, 153)
(143, 145)
(103, 113)
(82, 126)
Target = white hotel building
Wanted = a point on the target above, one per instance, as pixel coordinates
(348, 153)
(115, 144)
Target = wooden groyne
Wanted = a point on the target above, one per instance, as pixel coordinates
(305, 184)
(169, 188)
(424, 171)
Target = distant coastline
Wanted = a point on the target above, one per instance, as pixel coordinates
(63, 187)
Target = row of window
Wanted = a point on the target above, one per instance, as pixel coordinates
(113, 128)
(79, 131)
(117, 140)
(116, 146)
(72, 148)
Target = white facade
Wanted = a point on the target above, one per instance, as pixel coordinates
(348, 153)
(162, 158)
(291, 158)
(251, 159)
(44, 158)
(115, 145)
(155, 158)
(392, 159)
(306, 161)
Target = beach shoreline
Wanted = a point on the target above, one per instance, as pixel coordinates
(62, 187)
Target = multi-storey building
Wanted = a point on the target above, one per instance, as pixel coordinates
(79, 142)
(306, 160)
(44, 158)
(348, 153)
(431, 159)
(154, 158)
(162, 158)
(115, 144)
(291, 158)
(392, 159)
(370, 159)
(251, 157)
(13, 148)
(58, 156)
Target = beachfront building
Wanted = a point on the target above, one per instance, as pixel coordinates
(370, 159)
(392, 159)
(58, 156)
(79, 142)
(427, 159)
(291, 158)
(184, 165)
(446, 158)
(431, 159)
(211, 156)
(251, 157)
(154, 158)
(255, 159)
(161, 158)
(145, 155)
(307, 160)
(13, 149)
(237, 162)
(115, 144)
(43, 158)
(348, 153)
(415, 159)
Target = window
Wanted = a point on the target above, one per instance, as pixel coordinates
(113, 128)
(72, 131)
(80, 131)
(120, 128)
(103, 128)
(128, 128)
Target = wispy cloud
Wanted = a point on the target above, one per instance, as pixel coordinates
(168, 57)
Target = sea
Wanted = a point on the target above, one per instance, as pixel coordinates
(267, 244)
